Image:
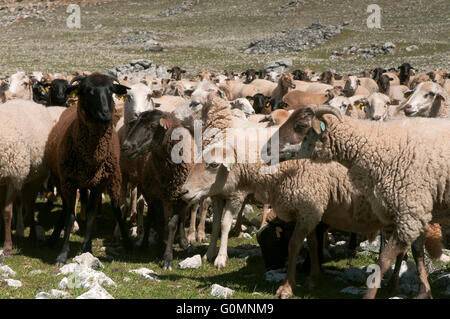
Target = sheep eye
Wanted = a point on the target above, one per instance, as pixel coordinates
(300, 126)
(430, 94)
(213, 165)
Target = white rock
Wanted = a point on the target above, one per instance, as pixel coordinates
(146, 273)
(371, 246)
(276, 275)
(221, 292)
(86, 278)
(71, 268)
(353, 291)
(13, 283)
(43, 295)
(445, 258)
(412, 48)
(35, 272)
(88, 260)
(5, 271)
(247, 236)
(96, 292)
(126, 279)
(55, 293)
(192, 262)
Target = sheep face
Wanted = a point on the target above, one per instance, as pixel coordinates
(426, 96)
(261, 103)
(209, 177)
(176, 73)
(250, 75)
(300, 75)
(137, 100)
(376, 106)
(57, 92)
(146, 134)
(351, 85)
(95, 96)
(243, 105)
(298, 136)
(18, 83)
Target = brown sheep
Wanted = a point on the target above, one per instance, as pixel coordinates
(285, 83)
(296, 97)
(82, 152)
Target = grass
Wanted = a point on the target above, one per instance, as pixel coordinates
(213, 33)
(246, 276)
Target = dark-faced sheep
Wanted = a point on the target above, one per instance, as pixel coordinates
(83, 152)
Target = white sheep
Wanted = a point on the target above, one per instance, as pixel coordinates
(428, 99)
(406, 163)
(25, 127)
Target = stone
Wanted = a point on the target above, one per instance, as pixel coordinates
(247, 236)
(85, 277)
(13, 283)
(353, 291)
(96, 292)
(373, 247)
(411, 48)
(36, 272)
(5, 271)
(98, 27)
(146, 273)
(192, 262)
(126, 279)
(55, 293)
(43, 295)
(88, 260)
(276, 275)
(221, 292)
(355, 275)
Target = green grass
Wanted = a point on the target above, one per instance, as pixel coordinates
(246, 276)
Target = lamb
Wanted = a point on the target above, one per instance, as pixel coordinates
(354, 86)
(243, 105)
(376, 107)
(406, 71)
(285, 83)
(261, 103)
(82, 152)
(176, 73)
(395, 92)
(25, 127)
(160, 174)
(429, 99)
(407, 170)
(19, 86)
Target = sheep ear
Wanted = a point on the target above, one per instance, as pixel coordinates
(250, 98)
(318, 126)
(188, 92)
(407, 94)
(183, 71)
(120, 89)
(169, 71)
(156, 93)
(72, 90)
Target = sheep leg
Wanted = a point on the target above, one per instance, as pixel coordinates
(294, 247)
(181, 232)
(94, 197)
(201, 235)
(418, 254)
(140, 215)
(20, 227)
(218, 205)
(83, 201)
(237, 230)
(168, 254)
(53, 240)
(118, 214)
(393, 281)
(7, 217)
(264, 217)
(192, 224)
(393, 248)
(69, 199)
(315, 273)
(227, 220)
(133, 203)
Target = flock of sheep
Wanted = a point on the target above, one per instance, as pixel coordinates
(365, 153)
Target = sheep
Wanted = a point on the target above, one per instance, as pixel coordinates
(160, 174)
(176, 73)
(236, 89)
(376, 107)
(340, 102)
(25, 127)
(19, 86)
(429, 99)
(3, 88)
(406, 164)
(198, 234)
(354, 86)
(378, 72)
(419, 78)
(406, 70)
(285, 83)
(82, 152)
(395, 92)
(265, 87)
(300, 75)
(328, 77)
(260, 103)
(277, 117)
(273, 76)
(56, 92)
(438, 76)
(243, 105)
(300, 98)
(250, 75)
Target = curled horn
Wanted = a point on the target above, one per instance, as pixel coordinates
(77, 79)
(327, 109)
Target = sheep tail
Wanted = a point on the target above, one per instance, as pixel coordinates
(433, 241)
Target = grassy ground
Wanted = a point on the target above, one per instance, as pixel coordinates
(212, 34)
(244, 275)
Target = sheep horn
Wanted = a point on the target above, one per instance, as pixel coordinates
(77, 79)
(327, 109)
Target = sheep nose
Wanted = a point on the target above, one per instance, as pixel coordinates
(183, 192)
(127, 146)
(376, 118)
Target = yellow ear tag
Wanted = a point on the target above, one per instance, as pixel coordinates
(122, 97)
(268, 104)
(359, 106)
(278, 231)
(47, 89)
(74, 94)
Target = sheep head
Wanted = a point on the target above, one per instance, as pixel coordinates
(298, 136)
(95, 96)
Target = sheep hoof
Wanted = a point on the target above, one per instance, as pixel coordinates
(284, 292)
(184, 244)
(221, 261)
(7, 251)
(191, 238)
(167, 265)
(61, 259)
(201, 237)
